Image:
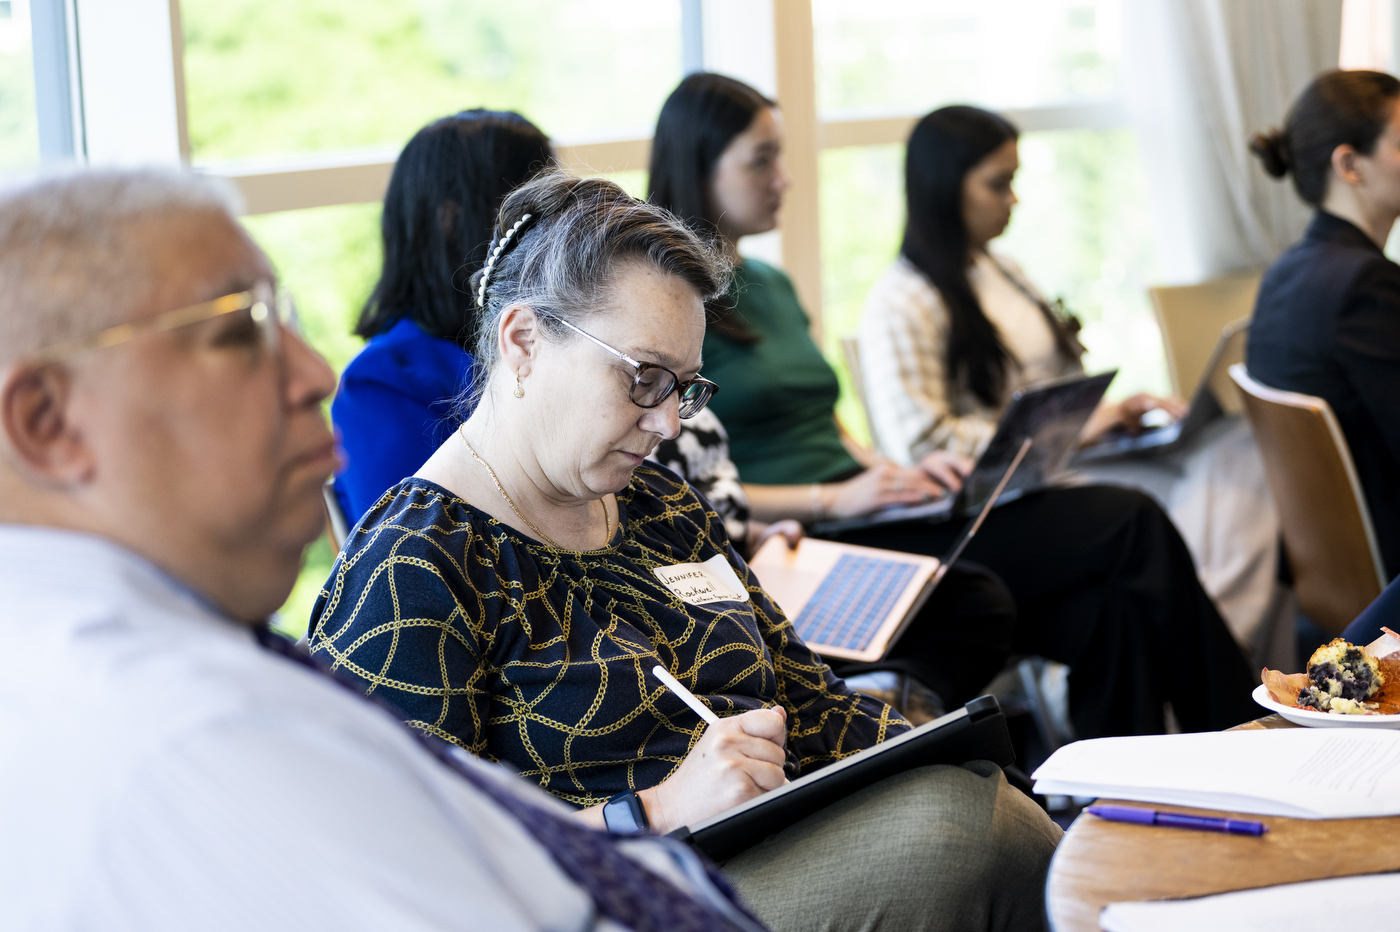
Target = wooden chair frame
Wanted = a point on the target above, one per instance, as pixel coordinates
(1311, 548)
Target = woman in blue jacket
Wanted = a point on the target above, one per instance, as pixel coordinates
(394, 405)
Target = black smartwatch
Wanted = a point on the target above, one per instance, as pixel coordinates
(624, 814)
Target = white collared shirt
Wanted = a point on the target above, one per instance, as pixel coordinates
(159, 770)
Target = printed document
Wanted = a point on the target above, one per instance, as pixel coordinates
(1367, 901)
(1305, 773)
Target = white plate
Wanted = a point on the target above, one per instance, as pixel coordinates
(1314, 719)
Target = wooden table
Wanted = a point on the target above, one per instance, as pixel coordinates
(1101, 862)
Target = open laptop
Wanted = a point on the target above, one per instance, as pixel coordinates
(1051, 414)
(1205, 408)
(854, 602)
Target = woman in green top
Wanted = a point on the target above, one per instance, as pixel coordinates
(1101, 578)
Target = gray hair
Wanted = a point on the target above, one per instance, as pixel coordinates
(68, 266)
(562, 261)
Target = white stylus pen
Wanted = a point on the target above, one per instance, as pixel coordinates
(686, 695)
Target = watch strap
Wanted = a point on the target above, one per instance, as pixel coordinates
(624, 814)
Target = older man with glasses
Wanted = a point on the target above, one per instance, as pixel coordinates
(165, 761)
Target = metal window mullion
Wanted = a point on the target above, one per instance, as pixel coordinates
(56, 81)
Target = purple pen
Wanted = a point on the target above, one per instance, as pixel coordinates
(1177, 820)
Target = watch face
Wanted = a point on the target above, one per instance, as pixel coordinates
(624, 815)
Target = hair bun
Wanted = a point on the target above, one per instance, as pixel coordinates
(1273, 150)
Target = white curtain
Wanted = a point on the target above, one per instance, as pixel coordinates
(1200, 77)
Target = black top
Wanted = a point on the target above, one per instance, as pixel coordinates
(542, 658)
(1327, 323)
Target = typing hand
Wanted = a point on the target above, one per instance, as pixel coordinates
(1126, 416)
(759, 533)
(881, 485)
(947, 469)
(734, 761)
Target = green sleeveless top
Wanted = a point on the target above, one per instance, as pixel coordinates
(777, 398)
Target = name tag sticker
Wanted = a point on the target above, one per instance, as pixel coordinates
(703, 583)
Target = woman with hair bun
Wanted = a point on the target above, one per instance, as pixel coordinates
(1327, 320)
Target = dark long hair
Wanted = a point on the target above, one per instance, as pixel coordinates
(943, 148)
(1337, 108)
(697, 123)
(439, 212)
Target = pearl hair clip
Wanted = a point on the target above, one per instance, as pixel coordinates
(491, 260)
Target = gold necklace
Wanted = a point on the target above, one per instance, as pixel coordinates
(607, 521)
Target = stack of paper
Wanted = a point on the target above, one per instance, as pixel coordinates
(1305, 773)
(1319, 904)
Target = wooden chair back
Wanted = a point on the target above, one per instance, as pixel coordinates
(1192, 318)
(850, 349)
(337, 528)
(1222, 386)
(1327, 532)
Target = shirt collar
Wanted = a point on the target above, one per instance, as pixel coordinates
(64, 560)
(1329, 228)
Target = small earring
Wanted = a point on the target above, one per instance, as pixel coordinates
(519, 389)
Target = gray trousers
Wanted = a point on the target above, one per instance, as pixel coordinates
(936, 848)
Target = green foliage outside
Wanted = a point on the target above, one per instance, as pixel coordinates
(909, 56)
(330, 259)
(275, 79)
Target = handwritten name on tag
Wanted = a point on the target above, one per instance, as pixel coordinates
(703, 583)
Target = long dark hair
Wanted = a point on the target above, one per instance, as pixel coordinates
(943, 148)
(697, 123)
(1337, 108)
(439, 212)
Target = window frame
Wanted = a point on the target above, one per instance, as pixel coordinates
(126, 114)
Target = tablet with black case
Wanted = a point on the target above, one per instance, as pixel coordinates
(977, 731)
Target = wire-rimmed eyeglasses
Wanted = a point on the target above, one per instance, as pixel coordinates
(653, 384)
(269, 309)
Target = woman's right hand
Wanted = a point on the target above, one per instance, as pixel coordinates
(879, 486)
(735, 760)
(1126, 415)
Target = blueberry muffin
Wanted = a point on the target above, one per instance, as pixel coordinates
(1343, 678)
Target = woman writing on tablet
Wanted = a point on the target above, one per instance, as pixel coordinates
(1101, 579)
(506, 598)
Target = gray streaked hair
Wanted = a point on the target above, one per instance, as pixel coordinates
(562, 261)
(68, 264)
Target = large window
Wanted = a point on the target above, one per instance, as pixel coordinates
(1080, 231)
(305, 103)
(912, 55)
(301, 76)
(19, 126)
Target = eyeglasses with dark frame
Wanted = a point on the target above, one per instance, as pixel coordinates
(269, 308)
(653, 384)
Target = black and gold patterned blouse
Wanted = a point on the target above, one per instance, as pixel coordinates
(541, 658)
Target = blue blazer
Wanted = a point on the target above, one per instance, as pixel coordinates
(1382, 613)
(393, 409)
